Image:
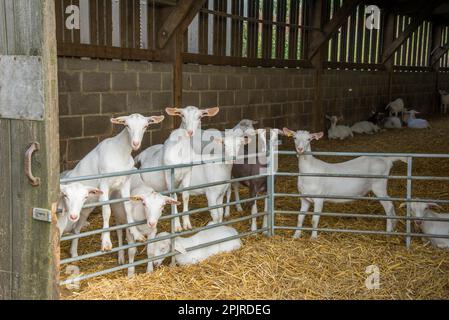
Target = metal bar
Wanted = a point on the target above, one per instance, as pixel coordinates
(153, 169)
(368, 154)
(199, 186)
(270, 187)
(359, 215)
(171, 236)
(409, 196)
(373, 176)
(399, 234)
(144, 261)
(174, 210)
(319, 196)
(194, 211)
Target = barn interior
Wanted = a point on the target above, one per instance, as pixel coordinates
(283, 63)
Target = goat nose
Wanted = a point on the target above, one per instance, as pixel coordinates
(136, 145)
(152, 224)
(73, 217)
(190, 133)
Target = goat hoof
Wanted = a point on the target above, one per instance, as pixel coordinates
(188, 227)
(297, 235)
(121, 260)
(106, 246)
(178, 229)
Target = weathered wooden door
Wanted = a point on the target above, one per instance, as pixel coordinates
(28, 113)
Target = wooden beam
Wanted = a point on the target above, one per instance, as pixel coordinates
(181, 15)
(388, 36)
(424, 12)
(321, 38)
(438, 53)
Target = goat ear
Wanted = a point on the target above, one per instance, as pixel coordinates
(169, 200)
(433, 205)
(316, 136)
(136, 198)
(95, 192)
(210, 112)
(403, 205)
(328, 117)
(119, 120)
(254, 122)
(173, 111)
(180, 248)
(155, 119)
(287, 132)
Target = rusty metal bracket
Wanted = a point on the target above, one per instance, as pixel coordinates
(34, 181)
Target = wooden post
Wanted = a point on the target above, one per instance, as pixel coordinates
(388, 38)
(316, 15)
(29, 254)
(435, 42)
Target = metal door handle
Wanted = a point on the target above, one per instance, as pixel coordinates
(34, 181)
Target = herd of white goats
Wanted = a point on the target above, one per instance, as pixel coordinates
(147, 203)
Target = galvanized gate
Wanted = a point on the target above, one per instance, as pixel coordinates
(272, 211)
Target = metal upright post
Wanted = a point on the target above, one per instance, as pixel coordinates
(173, 211)
(409, 197)
(270, 185)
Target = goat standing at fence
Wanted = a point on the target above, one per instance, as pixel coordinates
(338, 186)
(203, 237)
(424, 210)
(146, 205)
(113, 155)
(251, 167)
(72, 218)
(154, 156)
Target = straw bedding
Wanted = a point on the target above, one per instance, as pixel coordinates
(332, 267)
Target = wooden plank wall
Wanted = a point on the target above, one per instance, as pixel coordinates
(28, 251)
(444, 62)
(271, 31)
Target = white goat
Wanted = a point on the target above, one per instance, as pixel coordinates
(392, 123)
(444, 100)
(72, 217)
(414, 123)
(365, 127)
(423, 210)
(191, 121)
(176, 150)
(112, 155)
(146, 205)
(338, 186)
(395, 107)
(182, 245)
(338, 132)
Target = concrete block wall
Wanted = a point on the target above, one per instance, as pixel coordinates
(274, 97)
(416, 88)
(353, 94)
(93, 91)
(443, 81)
